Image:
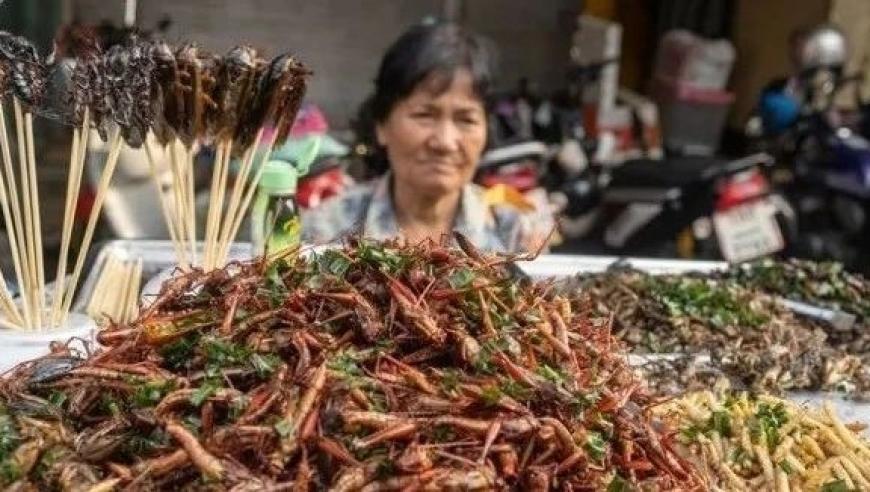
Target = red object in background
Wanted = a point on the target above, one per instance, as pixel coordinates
(523, 177)
(741, 188)
(314, 189)
(85, 203)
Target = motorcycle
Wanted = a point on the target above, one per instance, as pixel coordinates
(696, 207)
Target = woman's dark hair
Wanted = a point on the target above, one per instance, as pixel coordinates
(420, 52)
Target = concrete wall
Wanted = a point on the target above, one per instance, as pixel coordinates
(343, 40)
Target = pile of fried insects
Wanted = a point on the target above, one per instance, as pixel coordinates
(374, 366)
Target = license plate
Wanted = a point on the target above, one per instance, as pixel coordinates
(748, 231)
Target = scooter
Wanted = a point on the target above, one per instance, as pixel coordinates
(696, 207)
(829, 169)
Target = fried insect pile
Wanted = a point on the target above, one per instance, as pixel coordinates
(745, 335)
(379, 366)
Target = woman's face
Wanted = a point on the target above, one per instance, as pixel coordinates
(434, 137)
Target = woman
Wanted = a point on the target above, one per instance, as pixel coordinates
(430, 123)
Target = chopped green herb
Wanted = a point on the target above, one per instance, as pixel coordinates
(284, 428)
(203, 392)
(110, 405)
(461, 278)
(720, 422)
(786, 467)
(767, 421)
(550, 374)
(150, 393)
(595, 446)
(516, 390)
(57, 398)
(265, 364)
(178, 353)
(9, 471)
(333, 262)
(450, 380)
(490, 395)
(705, 300)
(835, 486)
(192, 423)
(220, 353)
(9, 437)
(443, 433)
(346, 362)
(618, 484)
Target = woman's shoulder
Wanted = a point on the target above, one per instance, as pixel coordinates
(338, 216)
(521, 226)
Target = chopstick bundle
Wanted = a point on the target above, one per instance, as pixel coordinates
(116, 293)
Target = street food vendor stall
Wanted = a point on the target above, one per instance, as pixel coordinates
(416, 338)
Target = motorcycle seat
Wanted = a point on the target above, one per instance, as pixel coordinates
(678, 172)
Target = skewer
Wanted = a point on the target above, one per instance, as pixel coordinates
(165, 208)
(29, 289)
(246, 203)
(37, 222)
(12, 231)
(72, 191)
(213, 212)
(190, 178)
(99, 198)
(217, 203)
(225, 235)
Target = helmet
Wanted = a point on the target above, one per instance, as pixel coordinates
(822, 47)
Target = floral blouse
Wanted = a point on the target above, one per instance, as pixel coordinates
(368, 209)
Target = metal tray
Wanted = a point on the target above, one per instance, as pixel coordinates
(554, 266)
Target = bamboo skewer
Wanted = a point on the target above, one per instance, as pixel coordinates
(213, 212)
(28, 290)
(246, 203)
(66, 232)
(99, 198)
(225, 235)
(37, 222)
(13, 312)
(165, 207)
(16, 234)
(190, 176)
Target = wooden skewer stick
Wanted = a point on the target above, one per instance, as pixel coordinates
(235, 198)
(37, 220)
(134, 280)
(168, 216)
(220, 202)
(249, 195)
(73, 186)
(213, 212)
(191, 197)
(178, 193)
(29, 289)
(12, 227)
(99, 198)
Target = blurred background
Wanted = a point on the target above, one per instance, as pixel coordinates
(639, 122)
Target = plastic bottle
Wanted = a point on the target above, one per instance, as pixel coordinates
(275, 222)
